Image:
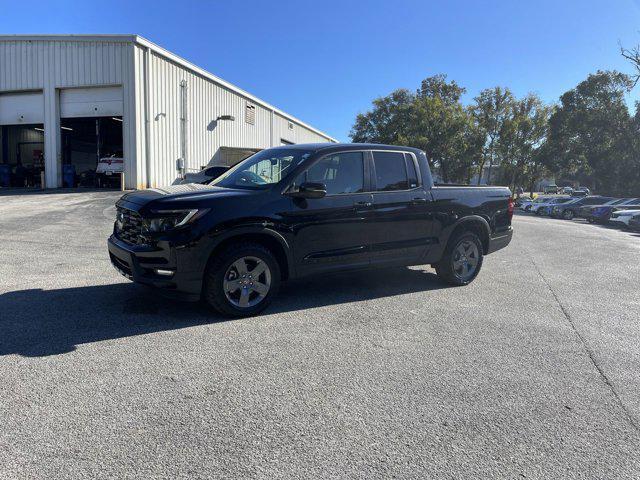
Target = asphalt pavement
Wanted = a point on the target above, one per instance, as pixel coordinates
(532, 371)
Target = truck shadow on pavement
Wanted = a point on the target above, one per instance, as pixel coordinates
(37, 322)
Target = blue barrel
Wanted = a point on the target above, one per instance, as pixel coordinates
(68, 175)
(5, 175)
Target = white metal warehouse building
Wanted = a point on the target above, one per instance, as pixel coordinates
(72, 99)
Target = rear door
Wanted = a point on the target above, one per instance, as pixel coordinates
(331, 233)
(402, 225)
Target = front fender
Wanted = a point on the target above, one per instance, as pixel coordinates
(258, 229)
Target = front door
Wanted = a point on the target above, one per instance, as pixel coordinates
(330, 233)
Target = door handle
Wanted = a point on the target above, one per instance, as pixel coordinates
(418, 201)
(363, 204)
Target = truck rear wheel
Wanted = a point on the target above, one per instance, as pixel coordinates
(462, 259)
(242, 280)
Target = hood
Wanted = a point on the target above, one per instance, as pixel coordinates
(177, 195)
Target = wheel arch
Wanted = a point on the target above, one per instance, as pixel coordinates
(476, 224)
(270, 239)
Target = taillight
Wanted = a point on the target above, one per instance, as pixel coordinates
(510, 208)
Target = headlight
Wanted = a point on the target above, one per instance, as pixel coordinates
(165, 220)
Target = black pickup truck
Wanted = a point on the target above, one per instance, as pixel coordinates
(297, 210)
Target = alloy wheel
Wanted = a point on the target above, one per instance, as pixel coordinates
(247, 282)
(465, 260)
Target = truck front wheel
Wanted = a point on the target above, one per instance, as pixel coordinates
(462, 259)
(242, 280)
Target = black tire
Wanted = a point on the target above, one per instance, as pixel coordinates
(213, 289)
(539, 212)
(567, 214)
(591, 220)
(445, 268)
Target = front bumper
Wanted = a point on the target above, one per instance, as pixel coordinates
(500, 240)
(620, 221)
(139, 264)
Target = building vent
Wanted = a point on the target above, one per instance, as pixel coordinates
(290, 125)
(250, 114)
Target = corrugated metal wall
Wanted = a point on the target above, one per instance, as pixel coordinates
(65, 63)
(51, 65)
(205, 136)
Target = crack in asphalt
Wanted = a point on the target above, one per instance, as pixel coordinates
(586, 347)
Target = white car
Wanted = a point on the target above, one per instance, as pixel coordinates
(110, 165)
(538, 200)
(539, 208)
(524, 202)
(621, 218)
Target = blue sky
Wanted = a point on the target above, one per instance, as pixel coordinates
(324, 61)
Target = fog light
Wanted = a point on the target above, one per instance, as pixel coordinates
(163, 272)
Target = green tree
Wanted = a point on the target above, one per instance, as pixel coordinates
(388, 122)
(440, 123)
(523, 133)
(590, 133)
(432, 119)
(491, 110)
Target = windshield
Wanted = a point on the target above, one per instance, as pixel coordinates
(263, 169)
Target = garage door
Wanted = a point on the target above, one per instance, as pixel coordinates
(17, 108)
(91, 102)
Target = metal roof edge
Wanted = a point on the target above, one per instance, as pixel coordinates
(67, 36)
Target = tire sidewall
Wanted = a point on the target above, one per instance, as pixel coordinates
(446, 270)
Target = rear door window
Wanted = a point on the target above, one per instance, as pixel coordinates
(391, 171)
(412, 173)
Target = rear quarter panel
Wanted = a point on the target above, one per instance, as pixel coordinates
(452, 205)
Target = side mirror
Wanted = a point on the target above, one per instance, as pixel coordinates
(310, 190)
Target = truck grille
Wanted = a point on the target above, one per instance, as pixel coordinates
(129, 227)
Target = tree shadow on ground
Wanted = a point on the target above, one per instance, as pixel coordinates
(39, 322)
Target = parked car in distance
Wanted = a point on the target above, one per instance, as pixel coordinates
(553, 188)
(109, 170)
(546, 210)
(622, 218)
(602, 213)
(523, 202)
(581, 192)
(540, 208)
(586, 210)
(539, 199)
(205, 175)
(298, 210)
(570, 209)
(566, 190)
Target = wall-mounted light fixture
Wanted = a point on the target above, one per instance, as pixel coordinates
(226, 117)
(116, 119)
(39, 129)
(67, 128)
